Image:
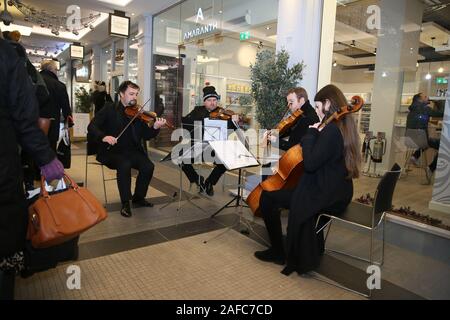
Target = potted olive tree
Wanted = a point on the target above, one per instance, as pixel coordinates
(83, 112)
(271, 78)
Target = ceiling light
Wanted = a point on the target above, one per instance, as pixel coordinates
(440, 70)
(5, 16)
(120, 3)
(353, 44)
(384, 74)
(417, 64)
(428, 76)
(24, 31)
(335, 64)
(267, 28)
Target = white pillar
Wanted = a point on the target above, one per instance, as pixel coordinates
(145, 63)
(125, 58)
(95, 63)
(306, 31)
(397, 50)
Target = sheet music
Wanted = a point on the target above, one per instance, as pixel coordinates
(215, 130)
(233, 154)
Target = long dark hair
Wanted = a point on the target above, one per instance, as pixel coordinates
(346, 125)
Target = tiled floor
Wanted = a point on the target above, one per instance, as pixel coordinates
(416, 263)
(182, 269)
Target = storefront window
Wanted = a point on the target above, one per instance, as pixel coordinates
(105, 61)
(387, 52)
(210, 42)
(132, 58)
(117, 74)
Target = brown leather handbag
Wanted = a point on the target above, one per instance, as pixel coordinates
(56, 218)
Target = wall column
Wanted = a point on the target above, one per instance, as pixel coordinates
(306, 32)
(145, 59)
(397, 50)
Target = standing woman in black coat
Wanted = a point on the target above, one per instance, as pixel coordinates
(19, 114)
(331, 159)
(59, 97)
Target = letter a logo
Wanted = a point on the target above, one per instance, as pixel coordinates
(199, 15)
(374, 20)
(374, 280)
(74, 280)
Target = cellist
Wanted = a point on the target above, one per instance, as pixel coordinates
(331, 159)
(297, 99)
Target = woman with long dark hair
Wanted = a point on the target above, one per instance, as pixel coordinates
(331, 159)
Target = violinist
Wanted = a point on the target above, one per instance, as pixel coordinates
(331, 159)
(127, 152)
(297, 99)
(209, 107)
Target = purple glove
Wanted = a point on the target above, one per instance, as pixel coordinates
(52, 170)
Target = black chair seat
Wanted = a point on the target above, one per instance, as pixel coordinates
(359, 213)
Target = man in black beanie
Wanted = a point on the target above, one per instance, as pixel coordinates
(210, 99)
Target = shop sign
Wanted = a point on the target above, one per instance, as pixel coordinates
(119, 25)
(76, 51)
(207, 28)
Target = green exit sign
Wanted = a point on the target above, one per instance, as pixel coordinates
(441, 80)
(244, 35)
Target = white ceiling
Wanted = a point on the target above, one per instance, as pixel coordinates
(135, 9)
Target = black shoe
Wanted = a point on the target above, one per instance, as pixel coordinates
(142, 203)
(126, 209)
(208, 188)
(270, 255)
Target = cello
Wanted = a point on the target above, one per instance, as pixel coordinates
(290, 167)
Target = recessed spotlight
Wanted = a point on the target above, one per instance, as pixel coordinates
(220, 11)
(132, 13)
(267, 28)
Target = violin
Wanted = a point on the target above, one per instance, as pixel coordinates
(286, 123)
(221, 114)
(290, 167)
(137, 112)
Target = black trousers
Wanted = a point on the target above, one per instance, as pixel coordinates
(193, 176)
(7, 285)
(123, 163)
(433, 143)
(270, 204)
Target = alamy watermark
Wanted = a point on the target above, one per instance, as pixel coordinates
(374, 280)
(74, 277)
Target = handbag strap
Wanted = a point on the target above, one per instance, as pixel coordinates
(72, 184)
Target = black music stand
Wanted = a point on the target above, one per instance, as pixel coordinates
(178, 159)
